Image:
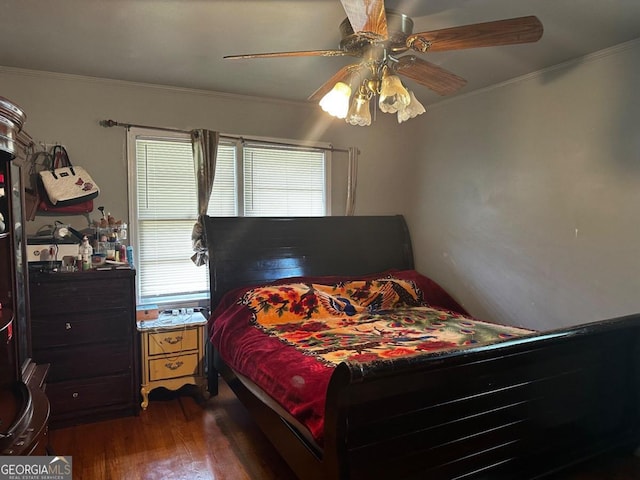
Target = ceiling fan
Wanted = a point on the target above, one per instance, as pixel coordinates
(380, 38)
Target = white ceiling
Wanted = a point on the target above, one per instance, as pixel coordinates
(182, 42)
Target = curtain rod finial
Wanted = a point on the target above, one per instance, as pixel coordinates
(108, 123)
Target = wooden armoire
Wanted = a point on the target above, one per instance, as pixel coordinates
(24, 408)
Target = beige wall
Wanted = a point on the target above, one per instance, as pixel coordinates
(527, 195)
(67, 109)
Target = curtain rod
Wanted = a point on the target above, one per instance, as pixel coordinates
(113, 123)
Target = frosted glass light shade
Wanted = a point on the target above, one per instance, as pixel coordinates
(393, 95)
(412, 110)
(359, 113)
(336, 102)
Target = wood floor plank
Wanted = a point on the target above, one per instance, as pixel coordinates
(181, 437)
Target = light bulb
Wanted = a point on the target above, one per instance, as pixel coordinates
(336, 102)
(412, 110)
(359, 113)
(393, 95)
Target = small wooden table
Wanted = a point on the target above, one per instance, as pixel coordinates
(173, 353)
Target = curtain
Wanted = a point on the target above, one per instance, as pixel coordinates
(205, 148)
(352, 177)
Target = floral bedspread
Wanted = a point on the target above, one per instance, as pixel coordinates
(363, 321)
(288, 337)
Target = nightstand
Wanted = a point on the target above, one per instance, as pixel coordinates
(172, 353)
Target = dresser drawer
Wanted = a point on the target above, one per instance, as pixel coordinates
(88, 294)
(80, 328)
(173, 366)
(86, 361)
(90, 393)
(170, 341)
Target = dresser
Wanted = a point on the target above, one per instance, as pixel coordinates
(173, 353)
(83, 325)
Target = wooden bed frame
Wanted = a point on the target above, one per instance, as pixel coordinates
(519, 409)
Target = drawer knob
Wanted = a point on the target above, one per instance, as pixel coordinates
(173, 340)
(75, 395)
(67, 326)
(174, 365)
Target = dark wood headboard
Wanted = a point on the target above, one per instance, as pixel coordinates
(253, 250)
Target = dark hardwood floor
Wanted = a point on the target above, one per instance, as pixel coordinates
(181, 438)
(178, 437)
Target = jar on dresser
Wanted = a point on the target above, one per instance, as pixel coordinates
(83, 325)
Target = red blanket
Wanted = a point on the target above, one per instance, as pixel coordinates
(288, 336)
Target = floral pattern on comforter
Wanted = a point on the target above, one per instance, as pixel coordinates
(364, 321)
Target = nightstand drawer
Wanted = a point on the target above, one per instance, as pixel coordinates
(170, 341)
(173, 366)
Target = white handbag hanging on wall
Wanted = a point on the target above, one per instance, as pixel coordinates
(66, 184)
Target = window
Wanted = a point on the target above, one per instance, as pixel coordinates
(252, 179)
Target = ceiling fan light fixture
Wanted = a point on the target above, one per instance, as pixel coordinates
(379, 36)
(359, 112)
(393, 95)
(336, 102)
(412, 110)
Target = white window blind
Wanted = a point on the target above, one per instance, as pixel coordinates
(167, 208)
(275, 183)
(256, 179)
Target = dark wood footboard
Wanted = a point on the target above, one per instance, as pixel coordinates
(520, 409)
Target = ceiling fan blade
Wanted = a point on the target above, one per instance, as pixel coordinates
(490, 34)
(341, 75)
(441, 81)
(302, 53)
(366, 16)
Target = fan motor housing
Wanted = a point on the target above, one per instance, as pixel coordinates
(399, 27)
